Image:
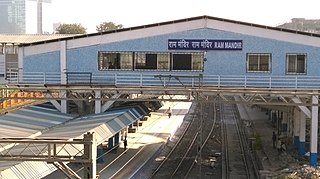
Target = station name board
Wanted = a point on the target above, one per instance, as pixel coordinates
(204, 44)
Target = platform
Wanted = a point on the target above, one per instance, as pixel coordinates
(143, 145)
(272, 163)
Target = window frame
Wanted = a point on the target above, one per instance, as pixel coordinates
(139, 60)
(159, 61)
(296, 68)
(259, 63)
(117, 60)
(193, 61)
(162, 61)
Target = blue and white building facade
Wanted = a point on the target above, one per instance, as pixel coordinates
(207, 45)
(224, 52)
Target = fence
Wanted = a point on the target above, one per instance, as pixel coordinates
(152, 79)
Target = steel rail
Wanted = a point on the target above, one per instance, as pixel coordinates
(184, 156)
(172, 150)
(207, 138)
(225, 157)
(234, 119)
(241, 142)
(246, 144)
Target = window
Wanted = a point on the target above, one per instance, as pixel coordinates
(187, 61)
(125, 61)
(146, 60)
(258, 62)
(296, 63)
(115, 60)
(181, 61)
(163, 61)
(149, 60)
(140, 60)
(197, 61)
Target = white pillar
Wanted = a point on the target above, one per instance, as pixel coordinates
(63, 94)
(296, 128)
(314, 132)
(63, 77)
(302, 136)
(20, 63)
(97, 103)
(63, 62)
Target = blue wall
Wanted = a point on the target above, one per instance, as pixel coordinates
(48, 62)
(218, 62)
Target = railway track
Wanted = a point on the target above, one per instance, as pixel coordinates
(236, 159)
(185, 155)
(198, 140)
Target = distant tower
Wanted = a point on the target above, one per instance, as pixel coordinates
(39, 14)
(12, 16)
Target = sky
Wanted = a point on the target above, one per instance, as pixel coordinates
(129, 13)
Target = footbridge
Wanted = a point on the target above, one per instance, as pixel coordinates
(261, 90)
(272, 92)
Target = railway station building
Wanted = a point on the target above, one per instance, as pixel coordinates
(198, 52)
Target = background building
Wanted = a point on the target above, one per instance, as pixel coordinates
(13, 16)
(302, 24)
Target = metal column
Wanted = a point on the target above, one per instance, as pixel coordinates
(110, 142)
(314, 132)
(90, 152)
(302, 134)
(296, 128)
(97, 103)
(64, 104)
(63, 78)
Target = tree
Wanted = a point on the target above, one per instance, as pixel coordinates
(71, 29)
(106, 26)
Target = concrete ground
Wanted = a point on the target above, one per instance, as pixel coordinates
(274, 164)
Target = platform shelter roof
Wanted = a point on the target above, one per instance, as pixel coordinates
(104, 125)
(30, 121)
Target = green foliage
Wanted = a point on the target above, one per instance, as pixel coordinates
(106, 26)
(71, 29)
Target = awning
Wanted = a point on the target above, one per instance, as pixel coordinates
(31, 120)
(104, 125)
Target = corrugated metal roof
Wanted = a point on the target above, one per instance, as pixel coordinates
(31, 38)
(28, 121)
(111, 122)
(27, 170)
(104, 125)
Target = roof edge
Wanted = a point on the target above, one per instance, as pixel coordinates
(205, 17)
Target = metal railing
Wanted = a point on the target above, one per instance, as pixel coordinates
(152, 79)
